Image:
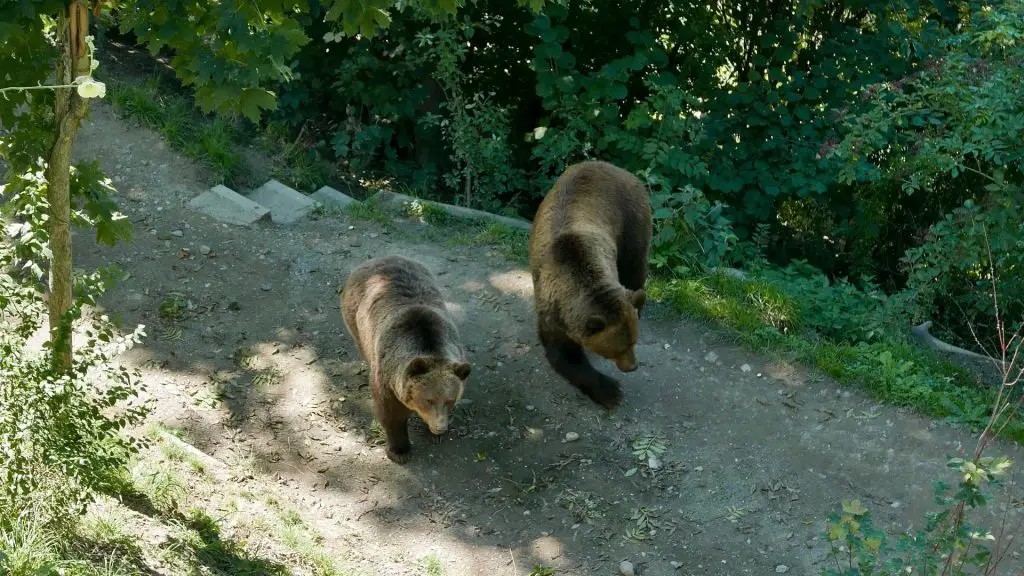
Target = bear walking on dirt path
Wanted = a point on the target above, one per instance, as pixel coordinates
(395, 312)
(588, 257)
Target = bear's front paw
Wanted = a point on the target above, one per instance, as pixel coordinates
(606, 392)
(399, 455)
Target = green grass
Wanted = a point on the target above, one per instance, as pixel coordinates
(304, 542)
(454, 231)
(209, 141)
(765, 319)
(27, 547)
(433, 566)
(162, 512)
(443, 228)
(213, 142)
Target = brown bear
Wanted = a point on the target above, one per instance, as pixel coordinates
(588, 257)
(395, 312)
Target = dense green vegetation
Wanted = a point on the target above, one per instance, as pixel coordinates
(844, 139)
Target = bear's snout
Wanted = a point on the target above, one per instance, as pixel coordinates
(627, 362)
(438, 424)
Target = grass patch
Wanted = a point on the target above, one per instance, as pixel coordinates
(767, 319)
(213, 142)
(208, 141)
(454, 231)
(163, 513)
(303, 541)
(443, 228)
(433, 565)
(27, 547)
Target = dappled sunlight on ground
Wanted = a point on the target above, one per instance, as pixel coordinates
(517, 282)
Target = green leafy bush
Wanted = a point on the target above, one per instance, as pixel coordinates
(943, 143)
(60, 432)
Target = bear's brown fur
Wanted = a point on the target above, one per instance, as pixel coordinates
(395, 312)
(588, 256)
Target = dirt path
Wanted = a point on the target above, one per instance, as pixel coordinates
(756, 456)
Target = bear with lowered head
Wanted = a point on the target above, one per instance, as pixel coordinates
(588, 257)
(395, 312)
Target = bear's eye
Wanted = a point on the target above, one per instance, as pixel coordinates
(594, 325)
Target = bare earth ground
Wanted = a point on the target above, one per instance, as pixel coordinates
(261, 370)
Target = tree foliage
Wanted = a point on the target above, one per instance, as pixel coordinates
(945, 143)
(738, 115)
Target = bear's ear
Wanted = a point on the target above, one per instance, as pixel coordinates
(418, 366)
(462, 369)
(638, 298)
(594, 325)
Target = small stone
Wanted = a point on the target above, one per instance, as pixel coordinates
(781, 569)
(204, 250)
(654, 463)
(676, 565)
(711, 356)
(355, 243)
(626, 568)
(265, 287)
(530, 408)
(177, 233)
(571, 436)
(746, 368)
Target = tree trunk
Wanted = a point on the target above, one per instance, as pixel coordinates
(69, 109)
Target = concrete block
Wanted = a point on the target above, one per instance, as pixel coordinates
(330, 197)
(286, 204)
(395, 201)
(225, 205)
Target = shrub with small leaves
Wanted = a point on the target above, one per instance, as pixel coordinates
(946, 545)
(60, 432)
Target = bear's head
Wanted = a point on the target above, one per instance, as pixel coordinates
(612, 328)
(432, 388)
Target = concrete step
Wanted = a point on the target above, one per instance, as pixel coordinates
(225, 205)
(286, 204)
(330, 197)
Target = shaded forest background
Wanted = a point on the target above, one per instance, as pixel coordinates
(855, 154)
